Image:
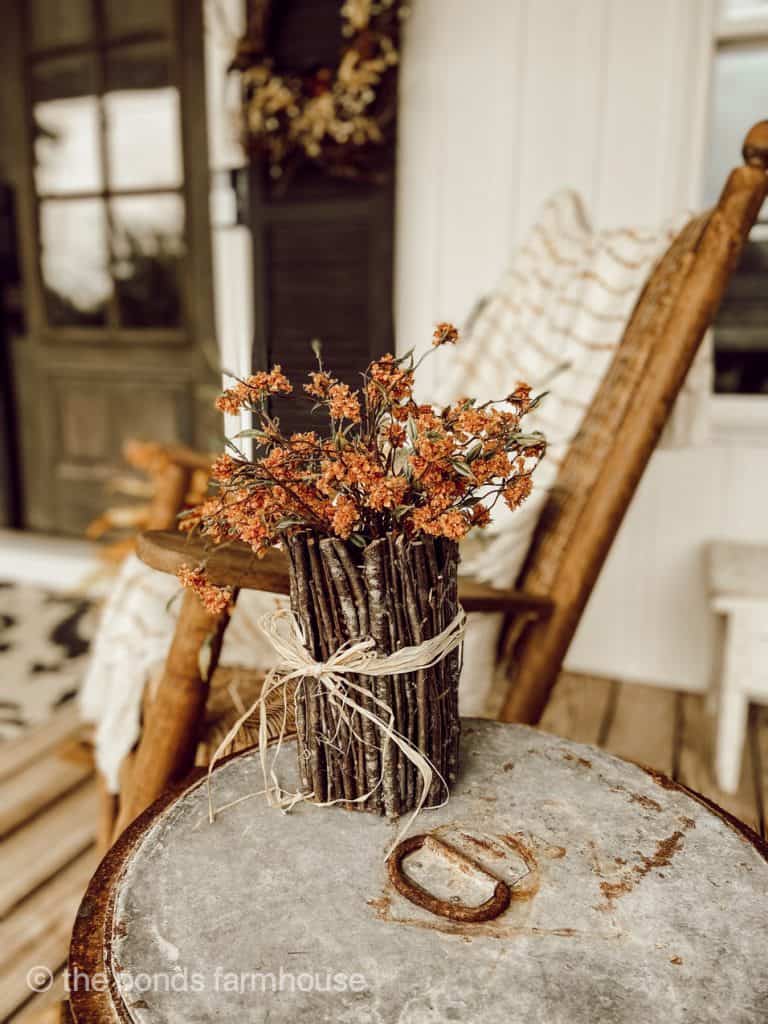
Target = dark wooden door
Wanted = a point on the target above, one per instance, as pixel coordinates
(323, 246)
(104, 144)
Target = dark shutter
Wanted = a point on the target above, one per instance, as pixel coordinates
(323, 247)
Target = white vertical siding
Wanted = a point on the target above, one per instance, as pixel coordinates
(503, 102)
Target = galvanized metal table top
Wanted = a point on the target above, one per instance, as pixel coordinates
(632, 902)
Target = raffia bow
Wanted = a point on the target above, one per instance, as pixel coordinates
(354, 658)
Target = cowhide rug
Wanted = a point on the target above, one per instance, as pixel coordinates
(44, 642)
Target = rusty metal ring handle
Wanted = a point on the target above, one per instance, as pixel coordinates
(412, 891)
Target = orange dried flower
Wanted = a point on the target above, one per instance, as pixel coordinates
(387, 492)
(273, 383)
(343, 403)
(394, 434)
(389, 381)
(480, 516)
(231, 401)
(345, 517)
(320, 384)
(223, 467)
(445, 334)
(517, 491)
(215, 599)
(389, 464)
(521, 397)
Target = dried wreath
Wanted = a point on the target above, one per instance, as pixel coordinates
(333, 116)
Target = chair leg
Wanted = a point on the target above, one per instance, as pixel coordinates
(166, 750)
(732, 716)
(107, 815)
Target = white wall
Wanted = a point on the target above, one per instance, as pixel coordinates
(503, 102)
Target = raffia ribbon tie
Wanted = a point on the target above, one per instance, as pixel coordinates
(354, 658)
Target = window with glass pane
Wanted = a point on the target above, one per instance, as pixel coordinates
(142, 110)
(108, 166)
(147, 245)
(65, 117)
(73, 257)
(739, 99)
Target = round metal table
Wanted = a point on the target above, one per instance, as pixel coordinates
(632, 901)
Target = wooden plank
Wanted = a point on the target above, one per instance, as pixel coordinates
(38, 932)
(480, 597)
(35, 852)
(234, 565)
(642, 727)
(46, 1007)
(696, 758)
(578, 707)
(36, 786)
(17, 753)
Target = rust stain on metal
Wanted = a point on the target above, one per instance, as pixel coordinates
(659, 778)
(532, 879)
(488, 846)
(638, 798)
(500, 928)
(645, 801)
(555, 852)
(660, 858)
(612, 890)
(491, 908)
(665, 851)
(381, 905)
(583, 761)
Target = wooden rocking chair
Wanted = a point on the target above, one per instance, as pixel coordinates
(576, 529)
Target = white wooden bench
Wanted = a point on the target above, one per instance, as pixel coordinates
(738, 585)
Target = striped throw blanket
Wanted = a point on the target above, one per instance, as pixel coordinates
(555, 320)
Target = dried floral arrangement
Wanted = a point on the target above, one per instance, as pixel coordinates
(370, 513)
(333, 115)
(387, 465)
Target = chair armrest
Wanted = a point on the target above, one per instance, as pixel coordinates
(232, 565)
(480, 597)
(235, 565)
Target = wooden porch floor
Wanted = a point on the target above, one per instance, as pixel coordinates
(48, 810)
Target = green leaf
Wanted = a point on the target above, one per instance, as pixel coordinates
(251, 432)
(462, 468)
(357, 539)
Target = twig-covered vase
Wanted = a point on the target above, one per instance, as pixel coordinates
(400, 593)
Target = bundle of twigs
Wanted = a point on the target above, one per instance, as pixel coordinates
(400, 593)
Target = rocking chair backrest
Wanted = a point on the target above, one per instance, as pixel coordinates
(606, 460)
